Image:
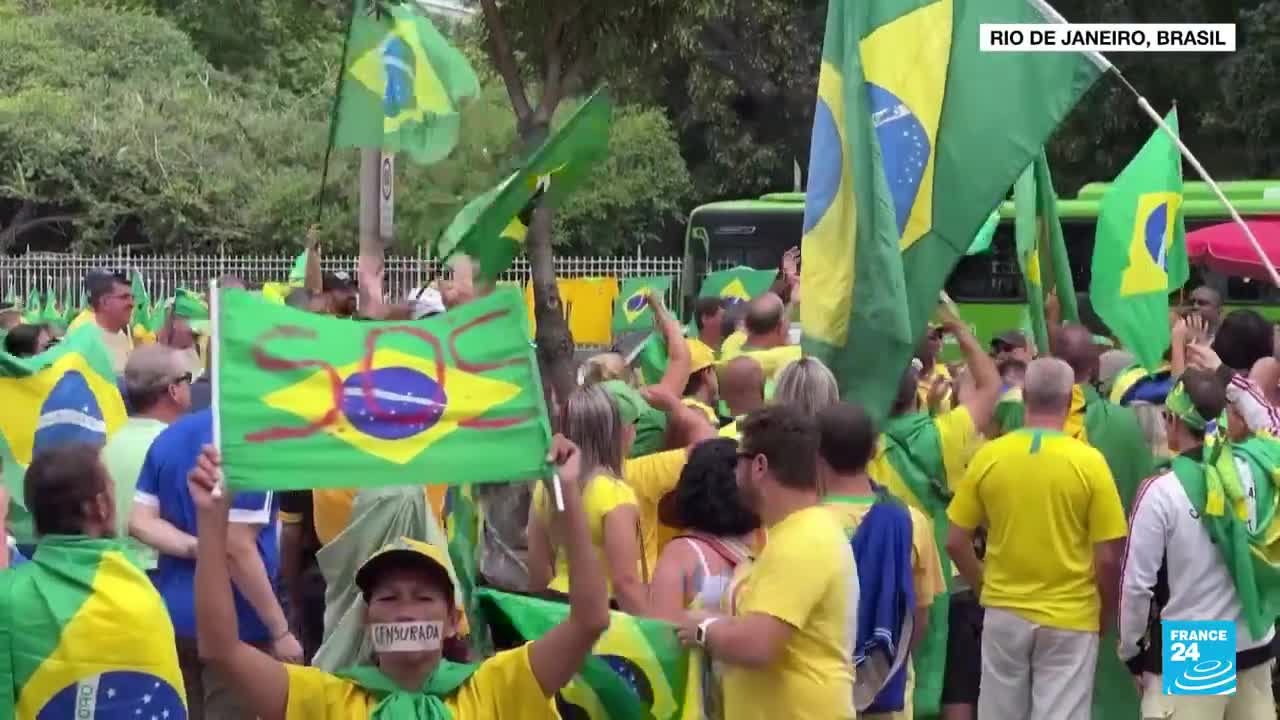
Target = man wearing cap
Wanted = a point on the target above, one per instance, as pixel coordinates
(408, 589)
(1012, 345)
(702, 392)
(340, 289)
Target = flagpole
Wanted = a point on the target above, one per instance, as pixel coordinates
(1105, 65)
(215, 404)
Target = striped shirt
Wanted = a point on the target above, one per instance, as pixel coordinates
(1252, 404)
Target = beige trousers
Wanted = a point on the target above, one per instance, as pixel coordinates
(1252, 700)
(1031, 671)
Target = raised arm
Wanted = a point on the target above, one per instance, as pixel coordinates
(981, 402)
(557, 655)
(260, 679)
(676, 376)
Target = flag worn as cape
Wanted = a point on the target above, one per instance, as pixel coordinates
(70, 639)
(66, 394)
(917, 135)
(637, 670)
(312, 401)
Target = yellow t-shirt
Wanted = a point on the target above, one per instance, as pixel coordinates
(925, 383)
(653, 476)
(958, 439)
(926, 568)
(1046, 499)
(332, 508)
(601, 496)
(731, 430)
(805, 577)
(703, 408)
(503, 688)
(731, 347)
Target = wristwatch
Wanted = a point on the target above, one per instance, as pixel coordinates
(700, 635)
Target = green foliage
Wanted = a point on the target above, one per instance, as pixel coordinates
(116, 130)
(640, 188)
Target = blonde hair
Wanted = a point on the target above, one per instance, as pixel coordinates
(604, 367)
(593, 423)
(1151, 418)
(807, 385)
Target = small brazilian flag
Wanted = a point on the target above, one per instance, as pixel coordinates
(66, 394)
(1140, 255)
(402, 84)
(492, 227)
(637, 669)
(738, 285)
(309, 401)
(69, 640)
(632, 311)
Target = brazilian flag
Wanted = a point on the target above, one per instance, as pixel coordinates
(632, 311)
(311, 401)
(636, 671)
(917, 135)
(737, 285)
(63, 395)
(492, 227)
(84, 634)
(1140, 255)
(1042, 251)
(402, 83)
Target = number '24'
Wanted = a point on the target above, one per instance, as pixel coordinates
(1183, 652)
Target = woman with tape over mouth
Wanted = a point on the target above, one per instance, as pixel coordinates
(408, 588)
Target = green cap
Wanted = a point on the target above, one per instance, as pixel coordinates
(631, 405)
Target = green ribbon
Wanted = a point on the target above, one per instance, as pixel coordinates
(1222, 482)
(396, 703)
(1179, 403)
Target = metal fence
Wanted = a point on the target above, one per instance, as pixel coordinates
(63, 274)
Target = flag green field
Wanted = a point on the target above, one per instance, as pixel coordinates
(402, 84)
(70, 645)
(1140, 251)
(917, 136)
(492, 227)
(637, 670)
(1041, 250)
(739, 284)
(982, 241)
(66, 394)
(313, 401)
(631, 310)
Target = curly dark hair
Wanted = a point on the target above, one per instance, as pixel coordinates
(707, 498)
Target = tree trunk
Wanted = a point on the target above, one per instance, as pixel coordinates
(555, 344)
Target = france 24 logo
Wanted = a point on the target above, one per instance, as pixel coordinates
(1199, 657)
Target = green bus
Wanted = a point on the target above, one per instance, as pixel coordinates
(987, 287)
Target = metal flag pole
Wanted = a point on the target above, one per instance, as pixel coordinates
(215, 385)
(1105, 65)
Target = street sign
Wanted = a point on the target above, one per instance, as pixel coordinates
(386, 196)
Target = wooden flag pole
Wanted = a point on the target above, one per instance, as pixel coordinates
(1105, 66)
(215, 386)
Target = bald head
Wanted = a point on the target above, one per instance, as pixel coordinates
(1075, 347)
(742, 385)
(764, 314)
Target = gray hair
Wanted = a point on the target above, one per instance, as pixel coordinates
(807, 385)
(593, 423)
(1047, 387)
(150, 371)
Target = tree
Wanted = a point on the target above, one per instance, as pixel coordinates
(553, 46)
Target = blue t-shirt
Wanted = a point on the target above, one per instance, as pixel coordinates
(163, 484)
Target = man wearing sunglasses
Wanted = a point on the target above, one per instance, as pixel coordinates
(110, 298)
(157, 386)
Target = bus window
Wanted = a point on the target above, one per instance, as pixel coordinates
(993, 276)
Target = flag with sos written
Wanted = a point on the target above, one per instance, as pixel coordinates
(309, 401)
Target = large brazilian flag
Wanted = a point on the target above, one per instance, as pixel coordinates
(917, 135)
(84, 634)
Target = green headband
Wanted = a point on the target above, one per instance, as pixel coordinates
(1179, 403)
